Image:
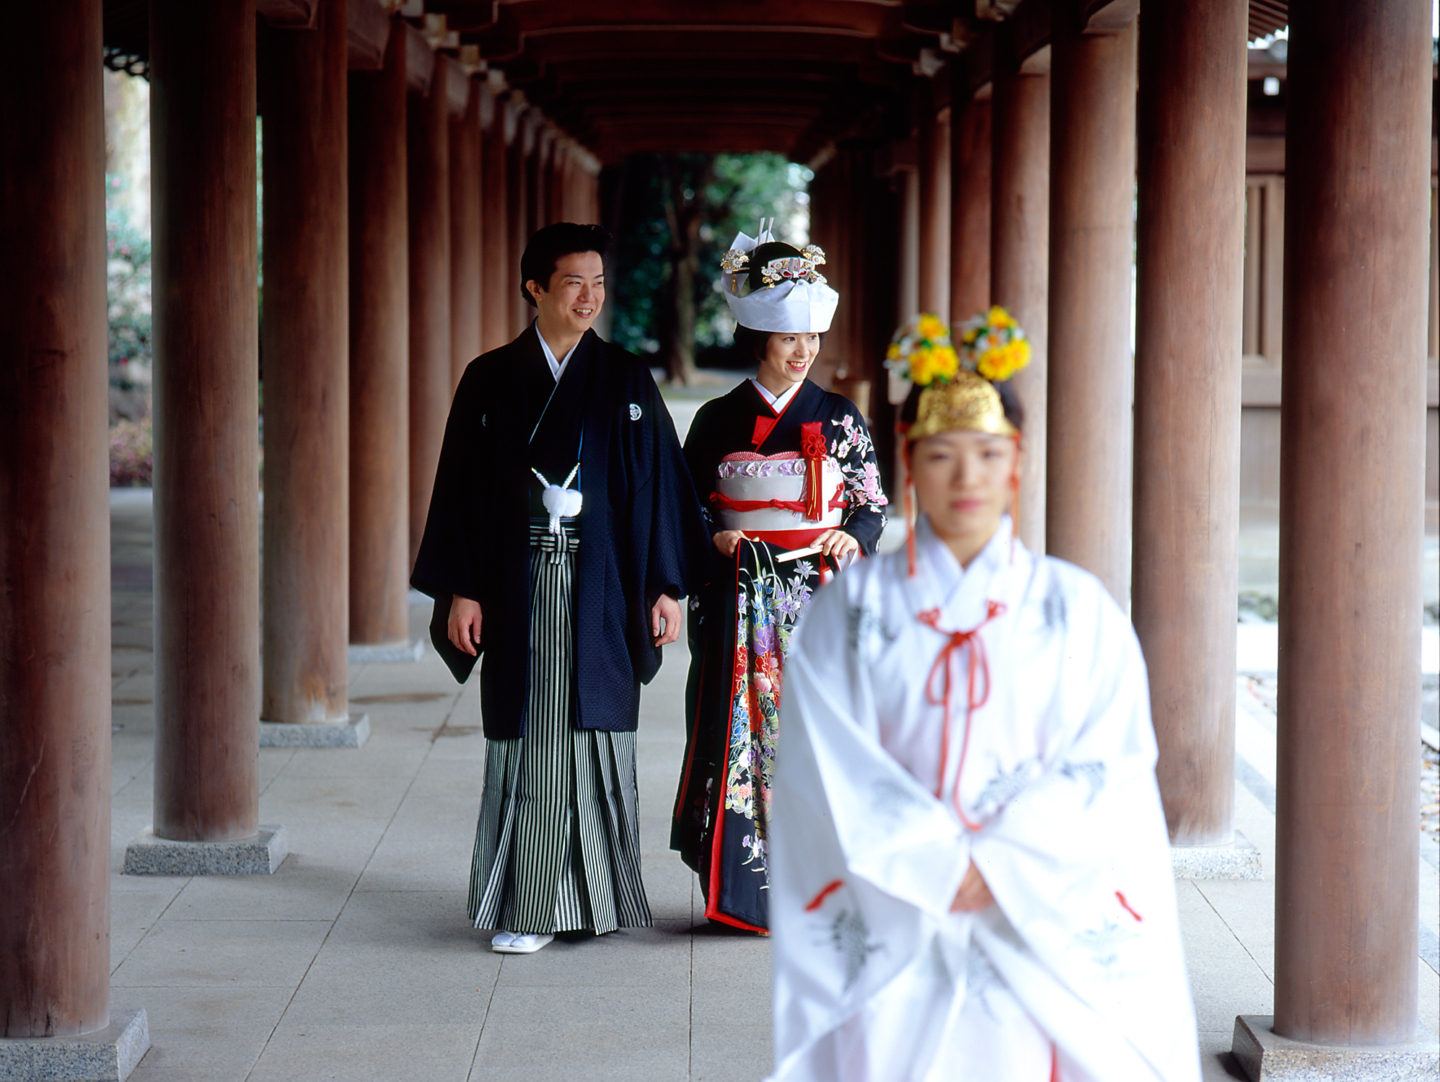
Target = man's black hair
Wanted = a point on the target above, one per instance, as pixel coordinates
(551, 244)
(757, 342)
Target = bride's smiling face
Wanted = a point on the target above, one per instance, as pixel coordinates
(788, 357)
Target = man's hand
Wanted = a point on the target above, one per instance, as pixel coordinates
(666, 612)
(836, 543)
(727, 541)
(464, 626)
(974, 893)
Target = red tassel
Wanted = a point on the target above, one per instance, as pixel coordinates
(812, 446)
(1015, 498)
(907, 489)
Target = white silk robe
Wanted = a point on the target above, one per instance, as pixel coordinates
(875, 979)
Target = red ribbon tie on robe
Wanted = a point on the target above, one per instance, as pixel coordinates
(979, 664)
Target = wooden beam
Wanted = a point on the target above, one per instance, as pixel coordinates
(419, 62)
(367, 30)
(1107, 16)
(288, 14)
(456, 85)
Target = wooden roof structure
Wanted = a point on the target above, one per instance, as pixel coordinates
(652, 75)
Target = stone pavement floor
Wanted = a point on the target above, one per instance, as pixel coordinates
(354, 961)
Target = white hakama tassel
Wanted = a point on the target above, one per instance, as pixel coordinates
(561, 501)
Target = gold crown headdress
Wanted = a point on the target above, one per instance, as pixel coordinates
(957, 390)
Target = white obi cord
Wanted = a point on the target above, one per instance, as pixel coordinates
(561, 501)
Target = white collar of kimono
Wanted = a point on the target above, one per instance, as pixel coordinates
(780, 401)
(557, 368)
(961, 591)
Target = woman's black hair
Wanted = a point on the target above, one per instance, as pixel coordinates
(757, 342)
(552, 243)
(1009, 401)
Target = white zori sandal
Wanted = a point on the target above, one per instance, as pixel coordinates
(521, 943)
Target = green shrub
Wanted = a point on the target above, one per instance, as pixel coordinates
(132, 454)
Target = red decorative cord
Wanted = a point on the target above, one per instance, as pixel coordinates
(979, 664)
(800, 507)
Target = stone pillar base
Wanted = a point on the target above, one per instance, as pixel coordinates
(260, 855)
(364, 653)
(1265, 1056)
(108, 1055)
(1238, 860)
(351, 733)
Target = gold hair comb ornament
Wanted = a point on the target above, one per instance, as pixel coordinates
(734, 261)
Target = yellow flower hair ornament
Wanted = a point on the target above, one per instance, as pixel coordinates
(993, 345)
(922, 352)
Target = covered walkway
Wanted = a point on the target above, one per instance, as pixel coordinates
(1041, 154)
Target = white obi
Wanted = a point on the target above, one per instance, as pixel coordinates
(767, 493)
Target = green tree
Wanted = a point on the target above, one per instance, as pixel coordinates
(127, 289)
(677, 216)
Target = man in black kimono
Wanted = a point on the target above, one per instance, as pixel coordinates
(562, 531)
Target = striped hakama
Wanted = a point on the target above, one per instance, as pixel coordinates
(557, 848)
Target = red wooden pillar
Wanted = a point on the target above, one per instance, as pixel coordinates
(970, 207)
(379, 347)
(499, 274)
(428, 140)
(54, 531)
(306, 372)
(1190, 245)
(465, 234)
(1092, 185)
(517, 209)
(934, 149)
(207, 576)
(1020, 258)
(1351, 521)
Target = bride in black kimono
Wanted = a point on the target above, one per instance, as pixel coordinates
(788, 478)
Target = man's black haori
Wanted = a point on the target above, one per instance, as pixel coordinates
(641, 525)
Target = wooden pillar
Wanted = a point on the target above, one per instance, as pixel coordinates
(1019, 208)
(553, 172)
(970, 206)
(305, 602)
(1092, 185)
(499, 275)
(379, 348)
(465, 235)
(428, 160)
(537, 172)
(1351, 521)
(1190, 257)
(907, 185)
(934, 143)
(207, 508)
(517, 212)
(54, 531)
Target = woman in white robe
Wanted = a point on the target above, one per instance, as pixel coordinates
(971, 874)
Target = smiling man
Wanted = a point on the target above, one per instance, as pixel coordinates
(562, 532)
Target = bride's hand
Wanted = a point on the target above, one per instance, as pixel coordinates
(727, 541)
(836, 544)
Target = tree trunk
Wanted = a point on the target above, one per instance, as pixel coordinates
(683, 215)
